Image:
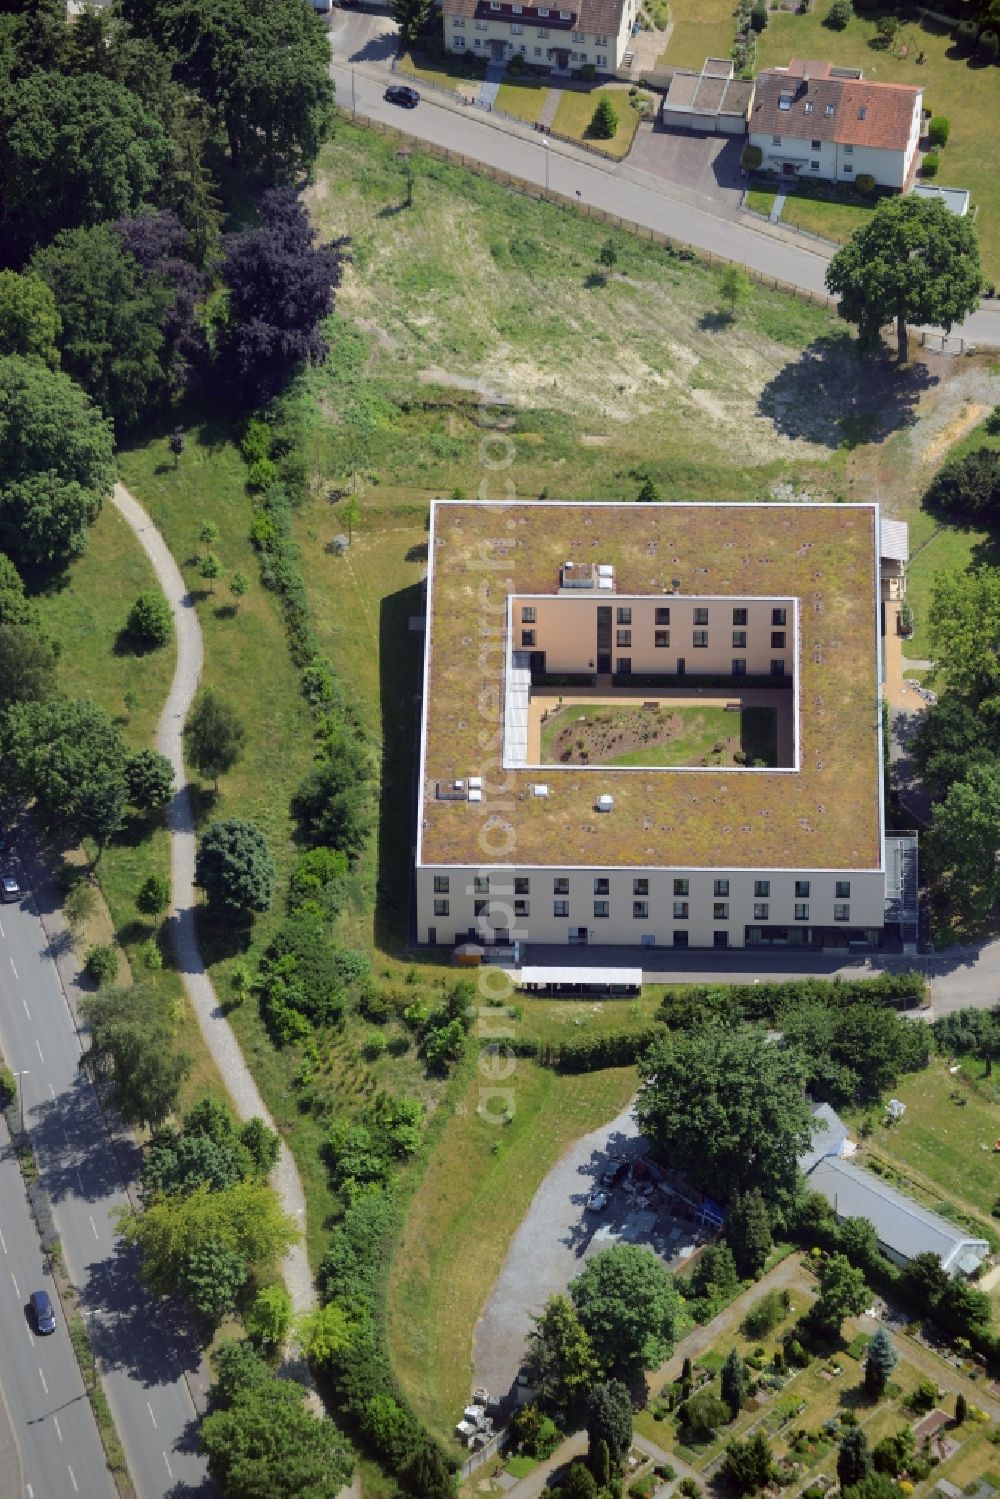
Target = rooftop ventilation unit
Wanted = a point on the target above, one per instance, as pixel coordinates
(605, 803)
(475, 794)
(475, 783)
(538, 790)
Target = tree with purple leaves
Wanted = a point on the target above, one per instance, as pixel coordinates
(281, 287)
(160, 244)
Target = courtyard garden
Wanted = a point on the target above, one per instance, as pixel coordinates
(654, 733)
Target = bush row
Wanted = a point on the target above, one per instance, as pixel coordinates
(765, 1001)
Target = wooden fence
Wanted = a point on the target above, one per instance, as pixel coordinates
(497, 1442)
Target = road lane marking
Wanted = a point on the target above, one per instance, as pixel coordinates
(29, 1491)
(42, 1378)
(170, 1470)
(52, 1091)
(2, 932)
(3, 1241)
(151, 1416)
(39, 1045)
(26, 1010)
(93, 1225)
(55, 1420)
(16, 1291)
(72, 1479)
(16, 974)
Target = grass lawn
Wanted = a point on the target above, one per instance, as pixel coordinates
(966, 95)
(526, 100)
(833, 214)
(442, 76)
(945, 1142)
(576, 110)
(702, 28)
(691, 731)
(761, 200)
(464, 1213)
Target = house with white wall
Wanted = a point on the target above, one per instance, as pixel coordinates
(815, 120)
(564, 37)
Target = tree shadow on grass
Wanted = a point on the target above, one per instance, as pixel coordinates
(833, 396)
(399, 685)
(715, 322)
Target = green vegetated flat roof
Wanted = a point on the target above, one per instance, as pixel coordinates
(823, 816)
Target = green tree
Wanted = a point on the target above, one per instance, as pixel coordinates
(411, 16)
(912, 261)
(150, 621)
(579, 1483)
(961, 1409)
(131, 1046)
(269, 1316)
(28, 662)
(112, 316)
(210, 568)
(748, 1466)
(425, 1475)
(648, 492)
(210, 1278)
(839, 15)
(608, 255)
(842, 1293)
(238, 585)
(69, 757)
(854, 1461)
(213, 735)
(880, 1361)
(56, 463)
(208, 533)
(601, 1464)
(154, 895)
(265, 1442)
(728, 1108)
(560, 1357)
(234, 867)
(702, 1414)
(333, 804)
(964, 622)
(964, 840)
(261, 1143)
(748, 1232)
(859, 1241)
(149, 777)
(609, 1420)
(873, 1486)
(734, 1383)
(734, 288)
(29, 322)
(604, 121)
(626, 1300)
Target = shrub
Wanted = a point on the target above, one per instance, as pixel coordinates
(967, 35)
(689, 1488)
(865, 183)
(930, 164)
(588, 71)
(101, 964)
(8, 1086)
(604, 121)
(261, 474)
(758, 16)
(989, 46)
(938, 131)
(80, 902)
(839, 15)
(751, 158)
(149, 620)
(967, 486)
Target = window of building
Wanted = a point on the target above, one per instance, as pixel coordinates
(721, 887)
(701, 616)
(542, 11)
(681, 666)
(662, 616)
(680, 939)
(739, 640)
(863, 112)
(480, 884)
(441, 908)
(842, 890)
(602, 886)
(760, 910)
(459, 42)
(814, 144)
(527, 614)
(527, 637)
(661, 637)
(458, 21)
(601, 909)
(565, 15)
(720, 910)
(762, 887)
(802, 889)
(801, 912)
(494, 4)
(841, 912)
(560, 885)
(739, 616)
(602, 62)
(601, 41)
(680, 910)
(477, 42)
(542, 31)
(537, 51)
(681, 887)
(778, 617)
(777, 640)
(700, 639)
(640, 909)
(624, 616)
(623, 637)
(739, 666)
(522, 907)
(777, 668)
(775, 140)
(624, 666)
(522, 885)
(848, 150)
(516, 9)
(442, 884)
(560, 908)
(480, 907)
(578, 36)
(516, 30)
(784, 101)
(814, 166)
(640, 887)
(828, 111)
(848, 169)
(720, 939)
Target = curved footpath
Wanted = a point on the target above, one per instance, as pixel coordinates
(180, 819)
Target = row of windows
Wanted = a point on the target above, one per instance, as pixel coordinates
(623, 664)
(814, 145)
(661, 638)
(640, 909)
(640, 886)
(662, 616)
(458, 43)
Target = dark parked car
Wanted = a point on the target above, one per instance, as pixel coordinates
(397, 93)
(41, 1311)
(9, 888)
(614, 1171)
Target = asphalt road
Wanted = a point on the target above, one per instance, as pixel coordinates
(142, 1346)
(640, 197)
(54, 1426)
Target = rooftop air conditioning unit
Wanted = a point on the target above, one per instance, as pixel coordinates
(538, 790)
(475, 783)
(475, 795)
(605, 803)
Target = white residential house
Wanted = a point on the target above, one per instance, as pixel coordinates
(594, 32)
(814, 120)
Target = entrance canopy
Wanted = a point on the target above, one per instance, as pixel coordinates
(581, 981)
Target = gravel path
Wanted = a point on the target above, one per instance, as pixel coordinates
(214, 1027)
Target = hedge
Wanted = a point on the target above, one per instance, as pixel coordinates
(620, 1048)
(765, 1001)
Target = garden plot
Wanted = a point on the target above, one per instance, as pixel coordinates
(658, 733)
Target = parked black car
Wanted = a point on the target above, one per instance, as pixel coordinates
(398, 93)
(614, 1171)
(42, 1313)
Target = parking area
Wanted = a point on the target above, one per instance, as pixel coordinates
(707, 164)
(363, 36)
(559, 1232)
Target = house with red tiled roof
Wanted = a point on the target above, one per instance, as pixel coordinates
(815, 120)
(570, 36)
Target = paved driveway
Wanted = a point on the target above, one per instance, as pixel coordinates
(708, 165)
(363, 37)
(556, 1236)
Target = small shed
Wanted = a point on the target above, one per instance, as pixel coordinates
(711, 102)
(955, 199)
(582, 983)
